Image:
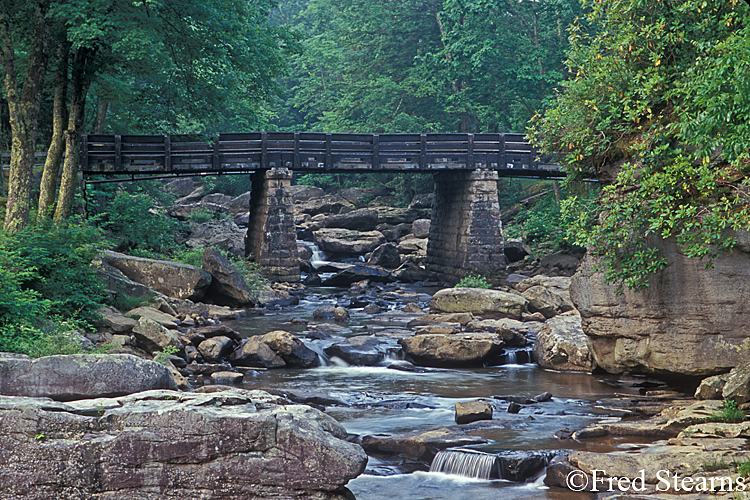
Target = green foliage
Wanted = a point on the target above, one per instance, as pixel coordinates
(202, 216)
(190, 256)
(231, 185)
(656, 98)
(133, 220)
(742, 468)
(729, 413)
(162, 356)
(715, 465)
(471, 281)
(47, 288)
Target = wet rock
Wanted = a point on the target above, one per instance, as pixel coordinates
(386, 255)
(170, 278)
(226, 378)
(479, 301)
(371, 309)
(411, 307)
(420, 228)
(151, 336)
(215, 349)
(450, 350)
(562, 345)
(523, 465)
(340, 315)
(324, 312)
(462, 319)
(543, 397)
(329, 329)
(471, 411)
(422, 445)
(439, 329)
(290, 348)
(361, 350)
(230, 444)
(257, 354)
(223, 234)
(227, 287)
(358, 272)
(80, 376)
(514, 407)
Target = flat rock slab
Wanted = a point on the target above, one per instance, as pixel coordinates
(80, 376)
(231, 444)
(480, 302)
(422, 445)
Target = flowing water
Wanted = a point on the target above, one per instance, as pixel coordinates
(383, 400)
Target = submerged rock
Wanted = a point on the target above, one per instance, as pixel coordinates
(361, 350)
(232, 444)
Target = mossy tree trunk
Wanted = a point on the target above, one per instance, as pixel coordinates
(80, 82)
(48, 188)
(23, 105)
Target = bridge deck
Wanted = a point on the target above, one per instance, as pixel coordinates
(509, 154)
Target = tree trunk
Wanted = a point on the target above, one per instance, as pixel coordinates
(48, 188)
(24, 111)
(101, 116)
(79, 86)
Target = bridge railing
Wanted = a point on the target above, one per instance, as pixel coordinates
(308, 151)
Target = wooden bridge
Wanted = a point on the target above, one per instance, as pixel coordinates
(508, 154)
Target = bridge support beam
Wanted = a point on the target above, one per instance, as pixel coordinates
(466, 234)
(271, 236)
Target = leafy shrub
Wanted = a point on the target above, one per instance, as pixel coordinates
(131, 218)
(473, 282)
(46, 286)
(742, 468)
(729, 413)
(201, 216)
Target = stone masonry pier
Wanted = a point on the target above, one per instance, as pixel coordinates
(271, 239)
(465, 234)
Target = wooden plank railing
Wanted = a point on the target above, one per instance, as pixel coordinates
(312, 152)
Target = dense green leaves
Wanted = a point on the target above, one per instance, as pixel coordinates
(658, 110)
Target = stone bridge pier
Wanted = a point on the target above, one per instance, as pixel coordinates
(466, 234)
(271, 238)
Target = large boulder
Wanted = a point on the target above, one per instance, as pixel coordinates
(363, 219)
(421, 444)
(301, 192)
(173, 279)
(224, 234)
(358, 272)
(480, 302)
(361, 350)
(215, 349)
(561, 345)
(80, 376)
(227, 287)
(548, 296)
(347, 242)
(151, 336)
(328, 204)
(290, 348)
(451, 350)
(689, 320)
(256, 354)
(420, 228)
(233, 445)
(386, 255)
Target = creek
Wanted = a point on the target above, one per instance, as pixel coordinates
(395, 397)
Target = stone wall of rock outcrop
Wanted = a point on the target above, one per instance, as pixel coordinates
(689, 320)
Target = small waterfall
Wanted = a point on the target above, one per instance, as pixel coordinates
(317, 349)
(318, 256)
(466, 463)
(510, 358)
(518, 356)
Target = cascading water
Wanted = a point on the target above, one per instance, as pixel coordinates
(466, 463)
(318, 256)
